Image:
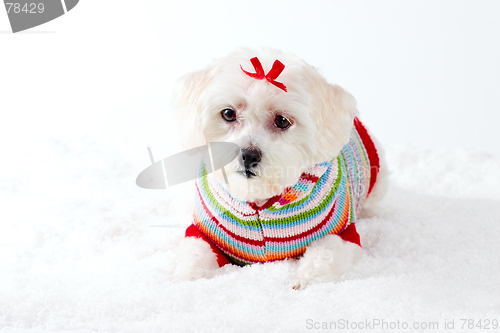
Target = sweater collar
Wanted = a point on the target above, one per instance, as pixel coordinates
(303, 187)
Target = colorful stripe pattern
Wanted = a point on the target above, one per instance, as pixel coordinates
(325, 200)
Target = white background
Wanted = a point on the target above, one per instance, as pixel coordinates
(82, 97)
(425, 73)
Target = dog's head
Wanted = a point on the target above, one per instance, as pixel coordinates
(280, 133)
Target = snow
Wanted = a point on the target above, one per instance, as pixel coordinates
(83, 249)
(78, 252)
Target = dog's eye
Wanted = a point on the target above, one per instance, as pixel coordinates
(228, 115)
(281, 122)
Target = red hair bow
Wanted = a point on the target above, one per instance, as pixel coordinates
(271, 76)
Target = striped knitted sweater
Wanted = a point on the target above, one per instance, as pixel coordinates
(325, 200)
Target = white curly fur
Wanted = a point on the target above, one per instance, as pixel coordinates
(195, 260)
(326, 259)
(322, 115)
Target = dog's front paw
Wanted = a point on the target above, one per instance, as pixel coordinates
(326, 260)
(195, 260)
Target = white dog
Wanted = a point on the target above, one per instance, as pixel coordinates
(305, 167)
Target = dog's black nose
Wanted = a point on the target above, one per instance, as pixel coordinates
(250, 157)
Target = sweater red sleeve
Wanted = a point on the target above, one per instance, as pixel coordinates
(351, 235)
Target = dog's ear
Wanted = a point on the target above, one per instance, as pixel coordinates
(186, 103)
(336, 109)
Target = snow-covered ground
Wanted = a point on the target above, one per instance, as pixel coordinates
(82, 97)
(78, 252)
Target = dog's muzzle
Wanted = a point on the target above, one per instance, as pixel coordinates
(250, 159)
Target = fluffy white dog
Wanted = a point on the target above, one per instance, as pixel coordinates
(293, 128)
